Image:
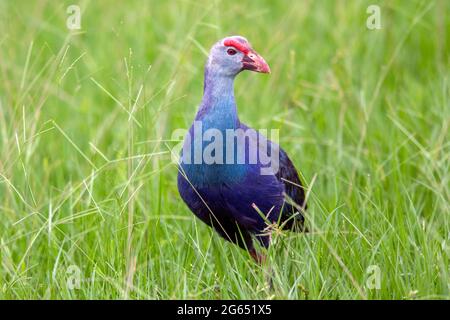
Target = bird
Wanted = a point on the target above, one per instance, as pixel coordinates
(240, 202)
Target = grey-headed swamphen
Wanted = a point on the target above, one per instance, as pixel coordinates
(231, 186)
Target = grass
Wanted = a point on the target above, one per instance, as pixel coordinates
(88, 191)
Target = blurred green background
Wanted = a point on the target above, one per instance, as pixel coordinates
(88, 200)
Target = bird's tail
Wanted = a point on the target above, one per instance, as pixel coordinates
(294, 220)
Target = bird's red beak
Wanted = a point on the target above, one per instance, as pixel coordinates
(254, 62)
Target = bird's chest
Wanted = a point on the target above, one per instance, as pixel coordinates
(201, 175)
(209, 165)
(208, 157)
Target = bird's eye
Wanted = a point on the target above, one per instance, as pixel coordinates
(231, 52)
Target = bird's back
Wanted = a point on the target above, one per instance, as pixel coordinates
(292, 215)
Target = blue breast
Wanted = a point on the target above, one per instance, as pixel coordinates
(208, 138)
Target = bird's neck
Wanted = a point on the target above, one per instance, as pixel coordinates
(217, 111)
(218, 107)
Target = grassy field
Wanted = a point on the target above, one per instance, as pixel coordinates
(89, 207)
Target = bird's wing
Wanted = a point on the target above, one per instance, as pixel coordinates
(294, 189)
(288, 176)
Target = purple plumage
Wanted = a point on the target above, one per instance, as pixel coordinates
(232, 187)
